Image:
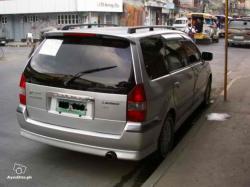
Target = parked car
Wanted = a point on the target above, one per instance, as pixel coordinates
(116, 92)
(181, 24)
(3, 41)
(239, 32)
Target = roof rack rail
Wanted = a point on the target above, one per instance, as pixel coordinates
(68, 27)
(132, 30)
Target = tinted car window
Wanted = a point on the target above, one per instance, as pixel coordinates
(193, 54)
(80, 54)
(174, 55)
(153, 56)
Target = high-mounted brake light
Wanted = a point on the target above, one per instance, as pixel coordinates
(136, 109)
(22, 92)
(79, 34)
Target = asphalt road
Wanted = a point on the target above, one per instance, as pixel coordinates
(51, 166)
(237, 57)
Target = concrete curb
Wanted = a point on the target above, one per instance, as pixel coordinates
(172, 157)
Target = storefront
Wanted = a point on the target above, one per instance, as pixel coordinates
(158, 12)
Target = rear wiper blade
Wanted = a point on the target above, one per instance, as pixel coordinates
(77, 75)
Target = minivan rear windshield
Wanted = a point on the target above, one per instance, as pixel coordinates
(242, 24)
(61, 59)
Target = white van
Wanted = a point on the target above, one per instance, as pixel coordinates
(181, 23)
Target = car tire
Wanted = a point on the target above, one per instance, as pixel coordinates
(231, 45)
(215, 39)
(209, 41)
(207, 94)
(166, 138)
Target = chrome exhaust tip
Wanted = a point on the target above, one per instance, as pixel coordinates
(111, 155)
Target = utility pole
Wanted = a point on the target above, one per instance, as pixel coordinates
(205, 3)
(226, 50)
(231, 8)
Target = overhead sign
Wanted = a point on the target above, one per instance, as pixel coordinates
(51, 6)
(169, 5)
(154, 4)
(100, 5)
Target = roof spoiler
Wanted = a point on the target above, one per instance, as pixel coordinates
(132, 30)
(68, 27)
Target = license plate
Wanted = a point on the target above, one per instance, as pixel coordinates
(78, 108)
(238, 37)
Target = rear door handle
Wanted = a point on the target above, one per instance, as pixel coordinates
(177, 84)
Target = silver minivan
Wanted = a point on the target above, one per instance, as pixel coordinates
(115, 91)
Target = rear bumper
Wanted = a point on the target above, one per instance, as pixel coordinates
(239, 42)
(130, 145)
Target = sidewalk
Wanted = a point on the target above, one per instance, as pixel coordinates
(16, 44)
(213, 153)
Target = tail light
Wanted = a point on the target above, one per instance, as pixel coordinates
(137, 104)
(248, 33)
(22, 92)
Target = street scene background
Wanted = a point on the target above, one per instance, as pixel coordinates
(51, 166)
(205, 153)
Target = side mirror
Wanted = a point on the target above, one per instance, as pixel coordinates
(207, 56)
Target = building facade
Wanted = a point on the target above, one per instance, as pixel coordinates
(18, 17)
(133, 13)
(159, 12)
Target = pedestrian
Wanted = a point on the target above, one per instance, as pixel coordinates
(190, 30)
(29, 39)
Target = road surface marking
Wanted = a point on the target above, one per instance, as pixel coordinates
(233, 81)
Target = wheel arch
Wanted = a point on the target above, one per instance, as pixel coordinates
(172, 113)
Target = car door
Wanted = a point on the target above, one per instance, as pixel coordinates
(183, 79)
(200, 69)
